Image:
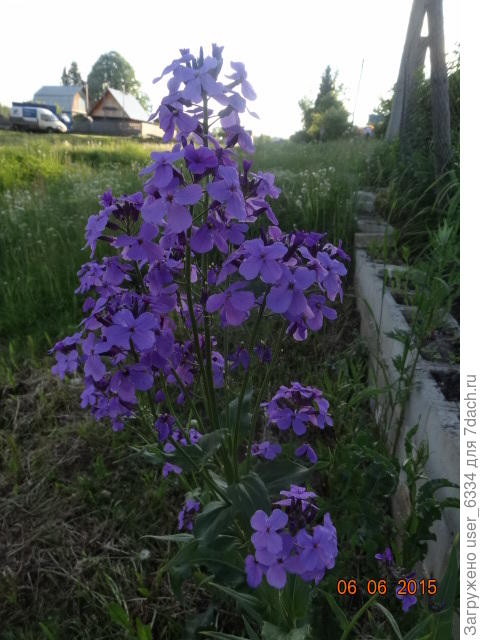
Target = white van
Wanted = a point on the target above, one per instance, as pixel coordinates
(36, 119)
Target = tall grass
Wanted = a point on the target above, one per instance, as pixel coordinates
(317, 182)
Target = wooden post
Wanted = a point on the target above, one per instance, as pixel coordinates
(439, 85)
(413, 58)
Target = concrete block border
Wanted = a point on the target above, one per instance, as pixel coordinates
(437, 418)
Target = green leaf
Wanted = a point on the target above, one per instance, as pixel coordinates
(46, 631)
(194, 456)
(272, 632)
(249, 495)
(119, 616)
(280, 474)
(214, 519)
(221, 636)
(390, 619)
(252, 635)
(423, 625)
(449, 585)
(173, 537)
(335, 607)
(144, 632)
(245, 416)
(245, 601)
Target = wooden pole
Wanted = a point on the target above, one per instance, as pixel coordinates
(439, 85)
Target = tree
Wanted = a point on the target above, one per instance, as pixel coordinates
(73, 77)
(65, 77)
(111, 69)
(328, 95)
(326, 118)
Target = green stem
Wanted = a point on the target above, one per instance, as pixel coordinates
(357, 617)
(236, 428)
(196, 340)
(276, 353)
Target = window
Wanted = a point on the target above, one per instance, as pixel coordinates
(47, 117)
(29, 112)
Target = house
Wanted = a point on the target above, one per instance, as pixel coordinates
(116, 104)
(120, 114)
(71, 100)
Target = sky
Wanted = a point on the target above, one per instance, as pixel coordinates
(285, 46)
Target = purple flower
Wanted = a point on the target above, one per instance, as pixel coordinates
(239, 358)
(163, 426)
(240, 75)
(170, 468)
(211, 233)
(199, 160)
(288, 296)
(277, 564)
(198, 80)
(319, 311)
(125, 328)
(407, 600)
(234, 305)
(126, 381)
(254, 571)
(93, 365)
(141, 247)
(264, 353)
(187, 513)
(262, 259)
(386, 556)
(266, 450)
(171, 115)
(227, 191)
(319, 549)
(296, 407)
(296, 494)
(66, 363)
(94, 229)
(306, 449)
(266, 530)
(162, 167)
(171, 205)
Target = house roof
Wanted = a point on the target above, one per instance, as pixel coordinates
(62, 95)
(130, 105)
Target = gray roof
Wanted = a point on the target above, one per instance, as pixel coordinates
(63, 96)
(130, 105)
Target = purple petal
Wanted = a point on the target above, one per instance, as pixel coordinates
(259, 520)
(279, 299)
(179, 219)
(276, 576)
(278, 519)
(190, 194)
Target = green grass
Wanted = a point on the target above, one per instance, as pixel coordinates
(49, 185)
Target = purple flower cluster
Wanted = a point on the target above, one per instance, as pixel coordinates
(146, 307)
(288, 541)
(296, 407)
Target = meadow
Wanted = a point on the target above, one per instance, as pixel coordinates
(77, 501)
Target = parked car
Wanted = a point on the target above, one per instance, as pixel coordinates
(35, 119)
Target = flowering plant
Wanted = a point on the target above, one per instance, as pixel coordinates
(201, 249)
